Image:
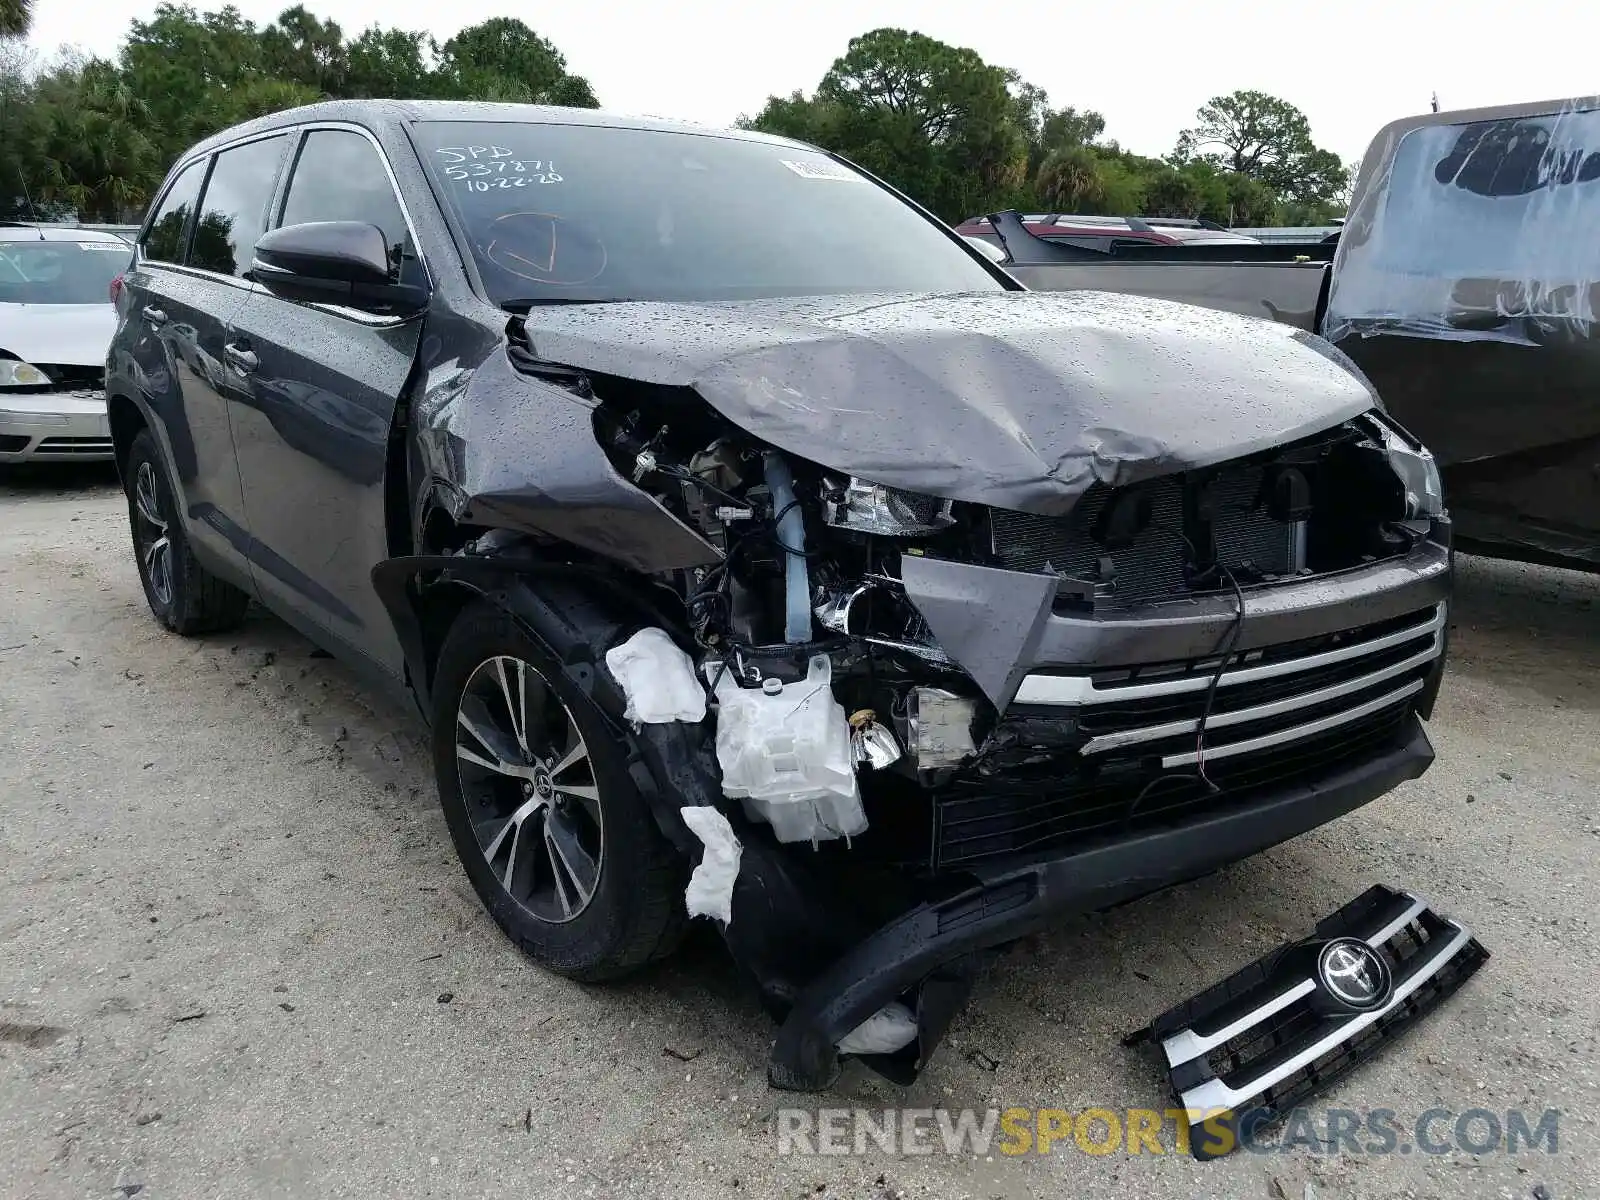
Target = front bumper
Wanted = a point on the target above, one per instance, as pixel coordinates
(1006, 899)
(54, 427)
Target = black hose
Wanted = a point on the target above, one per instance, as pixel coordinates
(1234, 632)
(1227, 645)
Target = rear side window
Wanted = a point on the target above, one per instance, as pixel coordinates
(164, 242)
(234, 211)
(340, 176)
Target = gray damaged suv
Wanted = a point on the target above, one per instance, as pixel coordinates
(756, 548)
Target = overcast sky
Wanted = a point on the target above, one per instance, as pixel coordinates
(1351, 66)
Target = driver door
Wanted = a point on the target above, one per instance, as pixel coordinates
(311, 425)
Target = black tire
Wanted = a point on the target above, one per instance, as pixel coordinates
(182, 594)
(634, 911)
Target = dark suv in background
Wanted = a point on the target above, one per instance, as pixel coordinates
(721, 508)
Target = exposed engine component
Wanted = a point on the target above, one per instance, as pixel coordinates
(1332, 501)
(791, 523)
(877, 612)
(940, 728)
(785, 752)
(869, 508)
(871, 744)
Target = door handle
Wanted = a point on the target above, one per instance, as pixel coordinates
(241, 359)
(154, 315)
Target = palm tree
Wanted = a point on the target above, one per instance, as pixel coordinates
(15, 17)
(1071, 180)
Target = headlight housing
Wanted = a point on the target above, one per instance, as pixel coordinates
(17, 374)
(872, 508)
(1418, 473)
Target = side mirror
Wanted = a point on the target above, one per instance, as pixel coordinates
(333, 262)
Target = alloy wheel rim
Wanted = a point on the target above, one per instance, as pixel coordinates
(155, 546)
(529, 787)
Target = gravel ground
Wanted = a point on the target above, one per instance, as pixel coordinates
(237, 957)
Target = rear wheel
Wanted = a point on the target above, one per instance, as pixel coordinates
(182, 594)
(557, 841)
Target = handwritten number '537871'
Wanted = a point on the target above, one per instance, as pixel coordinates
(484, 167)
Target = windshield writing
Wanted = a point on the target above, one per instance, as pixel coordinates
(579, 212)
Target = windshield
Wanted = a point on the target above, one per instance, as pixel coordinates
(582, 212)
(52, 272)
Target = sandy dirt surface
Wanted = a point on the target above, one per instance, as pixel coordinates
(238, 958)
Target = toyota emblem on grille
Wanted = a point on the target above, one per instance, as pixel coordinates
(1354, 974)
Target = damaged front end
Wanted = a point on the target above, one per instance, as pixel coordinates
(930, 709)
(937, 724)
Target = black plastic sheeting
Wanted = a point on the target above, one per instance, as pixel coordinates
(1467, 287)
(1013, 399)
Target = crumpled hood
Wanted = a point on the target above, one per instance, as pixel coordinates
(1020, 400)
(74, 335)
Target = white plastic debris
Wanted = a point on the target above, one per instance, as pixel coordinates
(785, 754)
(657, 678)
(885, 1031)
(710, 890)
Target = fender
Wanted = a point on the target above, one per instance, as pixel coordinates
(576, 613)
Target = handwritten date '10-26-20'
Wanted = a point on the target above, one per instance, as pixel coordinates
(485, 167)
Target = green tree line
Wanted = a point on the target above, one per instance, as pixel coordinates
(95, 136)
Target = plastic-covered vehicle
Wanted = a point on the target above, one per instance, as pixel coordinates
(1465, 283)
(751, 522)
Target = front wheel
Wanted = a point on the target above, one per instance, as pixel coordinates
(557, 841)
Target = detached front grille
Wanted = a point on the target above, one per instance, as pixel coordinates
(1278, 1032)
(1121, 751)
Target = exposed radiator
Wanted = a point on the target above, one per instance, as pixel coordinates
(1152, 568)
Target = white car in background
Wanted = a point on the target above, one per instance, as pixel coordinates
(56, 322)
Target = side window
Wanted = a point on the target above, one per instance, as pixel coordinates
(234, 211)
(164, 241)
(339, 176)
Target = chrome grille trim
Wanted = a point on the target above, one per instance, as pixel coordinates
(1214, 1094)
(1186, 1044)
(1332, 721)
(1066, 690)
(1152, 733)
